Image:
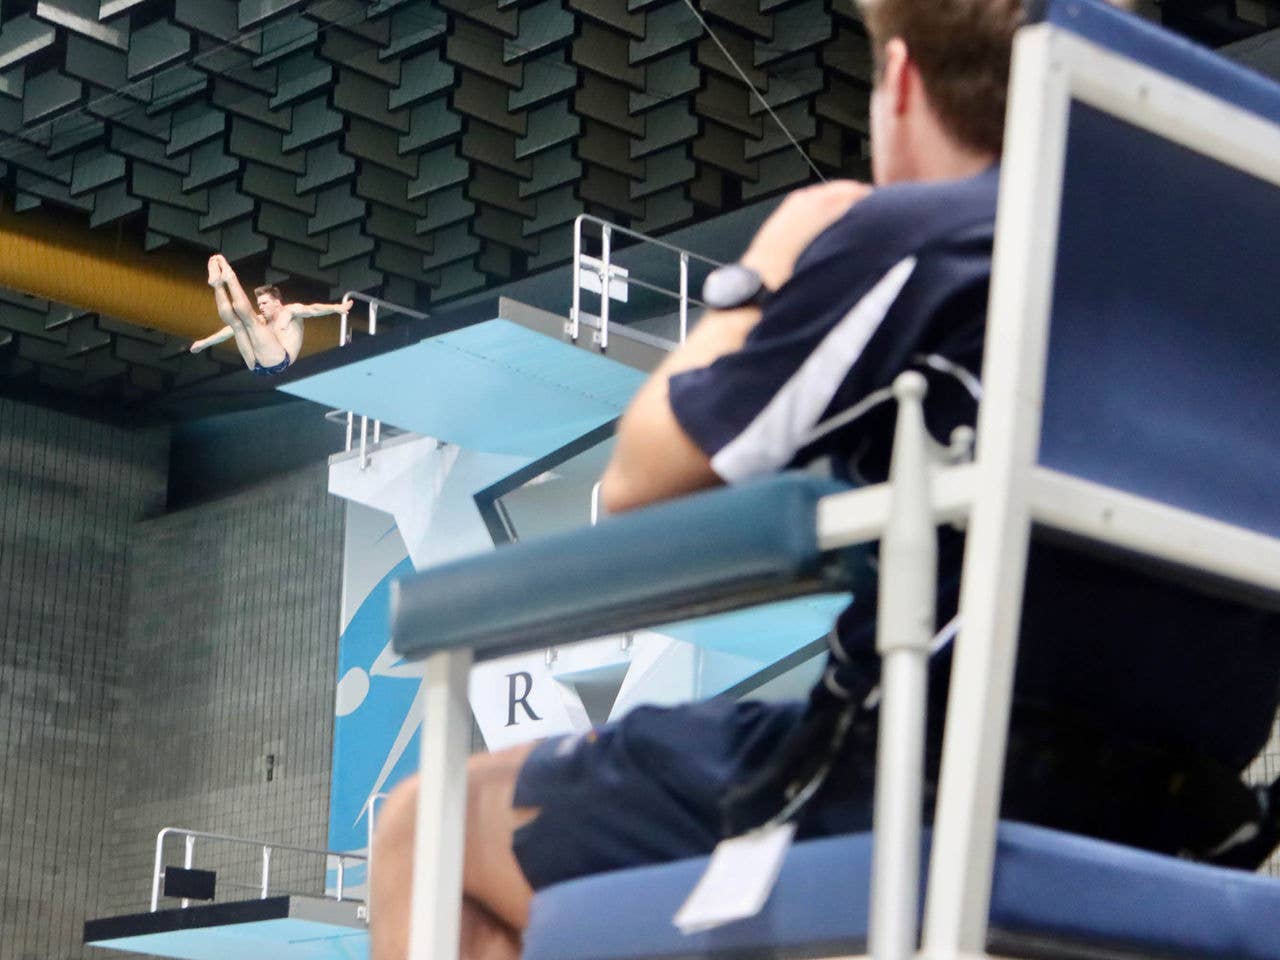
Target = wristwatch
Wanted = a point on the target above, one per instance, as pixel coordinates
(734, 285)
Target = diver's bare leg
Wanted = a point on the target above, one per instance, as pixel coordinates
(265, 345)
(230, 318)
(240, 301)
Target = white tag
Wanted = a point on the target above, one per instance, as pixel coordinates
(738, 879)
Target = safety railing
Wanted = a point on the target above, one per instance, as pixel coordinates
(344, 337)
(188, 859)
(604, 268)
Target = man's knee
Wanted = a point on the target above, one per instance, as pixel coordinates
(396, 816)
(491, 781)
(491, 785)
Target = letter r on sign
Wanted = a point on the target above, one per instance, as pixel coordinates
(513, 681)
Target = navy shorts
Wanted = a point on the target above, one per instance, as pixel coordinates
(647, 788)
(275, 368)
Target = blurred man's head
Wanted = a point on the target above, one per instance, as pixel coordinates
(941, 82)
(942, 71)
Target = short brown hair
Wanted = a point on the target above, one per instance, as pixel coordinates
(268, 288)
(962, 49)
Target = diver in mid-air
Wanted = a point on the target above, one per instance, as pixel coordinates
(269, 337)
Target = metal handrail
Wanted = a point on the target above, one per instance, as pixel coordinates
(344, 337)
(189, 845)
(374, 303)
(607, 229)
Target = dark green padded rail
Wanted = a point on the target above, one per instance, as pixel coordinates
(707, 553)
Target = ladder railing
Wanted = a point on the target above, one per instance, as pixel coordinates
(188, 860)
(344, 337)
(604, 268)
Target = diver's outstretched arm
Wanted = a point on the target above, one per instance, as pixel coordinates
(319, 309)
(226, 333)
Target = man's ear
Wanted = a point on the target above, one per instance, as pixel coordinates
(899, 73)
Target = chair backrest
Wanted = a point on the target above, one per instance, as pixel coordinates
(1164, 330)
(1133, 335)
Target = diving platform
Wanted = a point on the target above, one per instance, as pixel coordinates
(499, 377)
(293, 927)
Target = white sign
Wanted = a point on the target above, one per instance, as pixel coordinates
(592, 270)
(517, 699)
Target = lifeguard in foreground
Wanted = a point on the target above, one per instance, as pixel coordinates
(269, 337)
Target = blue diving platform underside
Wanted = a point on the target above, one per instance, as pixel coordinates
(494, 387)
(274, 928)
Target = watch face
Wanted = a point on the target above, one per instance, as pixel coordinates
(732, 285)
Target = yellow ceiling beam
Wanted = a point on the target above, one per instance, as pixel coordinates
(62, 261)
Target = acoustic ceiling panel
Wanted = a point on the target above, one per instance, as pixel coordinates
(425, 148)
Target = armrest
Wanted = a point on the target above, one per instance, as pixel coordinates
(706, 553)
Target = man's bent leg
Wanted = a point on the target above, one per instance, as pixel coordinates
(229, 317)
(490, 873)
(265, 345)
(646, 789)
(240, 301)
(484, 937)
(493, 884)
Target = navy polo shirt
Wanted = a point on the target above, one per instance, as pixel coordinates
(900, 282)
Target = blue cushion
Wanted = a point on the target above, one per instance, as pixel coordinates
(1126, 34)
(1055, 894)
(713, 551)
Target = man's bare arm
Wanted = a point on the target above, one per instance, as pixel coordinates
(226, 333)
(304, 310)
(654, 458)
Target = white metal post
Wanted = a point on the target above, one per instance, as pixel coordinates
(368, 863)
(344, 337)
(577, 279)
(908, 584)
(188, 858)
(442, 806)
(157, 869)
(684, 295)
(266, 871)
(606, 233)
(373, 330)
(963, 852)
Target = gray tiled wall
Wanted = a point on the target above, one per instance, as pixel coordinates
(70, 492)
(233, 627)
(148, 662)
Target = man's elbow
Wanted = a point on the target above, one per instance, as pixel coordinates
(618, 493)
(622, 490)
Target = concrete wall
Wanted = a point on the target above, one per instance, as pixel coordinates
(149, 662)
(70, 492)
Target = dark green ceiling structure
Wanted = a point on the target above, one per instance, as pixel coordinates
(421, 148)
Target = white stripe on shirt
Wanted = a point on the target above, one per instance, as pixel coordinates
(770, 440)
